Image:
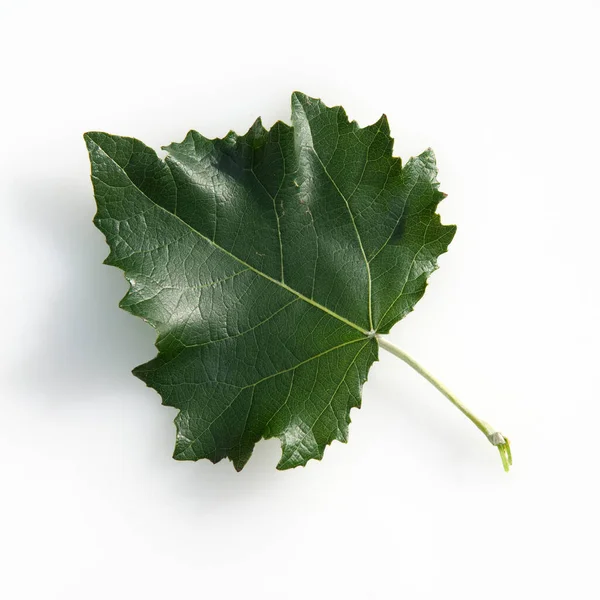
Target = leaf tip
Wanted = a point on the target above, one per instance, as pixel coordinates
(296, 95)
(88, 138)
(383, 124)
(301, 99)
(238, 466)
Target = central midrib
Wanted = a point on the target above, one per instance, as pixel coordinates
(220, 248)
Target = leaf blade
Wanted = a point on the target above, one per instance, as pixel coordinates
(248, 259)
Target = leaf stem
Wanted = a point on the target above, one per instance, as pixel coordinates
(493, 436)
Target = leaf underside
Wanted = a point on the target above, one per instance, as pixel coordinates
(266, 262)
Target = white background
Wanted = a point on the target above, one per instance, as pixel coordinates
(416, 505)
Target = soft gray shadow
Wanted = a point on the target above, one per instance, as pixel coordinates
(85, 342)
(406, 408)
(86, 346)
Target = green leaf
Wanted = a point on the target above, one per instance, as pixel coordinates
(267, 263)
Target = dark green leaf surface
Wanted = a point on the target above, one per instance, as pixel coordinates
(266, 263)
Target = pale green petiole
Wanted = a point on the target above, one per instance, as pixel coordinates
(493, 436)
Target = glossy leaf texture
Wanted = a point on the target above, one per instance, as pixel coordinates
(266, 262)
